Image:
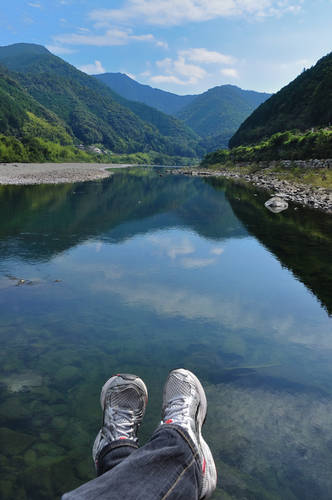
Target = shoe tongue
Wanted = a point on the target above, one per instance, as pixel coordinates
(129, 398)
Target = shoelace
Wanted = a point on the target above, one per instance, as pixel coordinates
(119, 421)
(177, 407)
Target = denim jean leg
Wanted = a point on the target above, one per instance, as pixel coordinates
(165, 468)
(114, 454)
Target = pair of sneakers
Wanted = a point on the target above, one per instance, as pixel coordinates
(123, 400)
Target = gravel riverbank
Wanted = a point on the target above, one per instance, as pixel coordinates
(296, 192)
(53, 173)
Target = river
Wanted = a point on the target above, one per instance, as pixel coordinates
(144, 272)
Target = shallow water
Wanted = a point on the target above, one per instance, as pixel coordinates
(142, 273)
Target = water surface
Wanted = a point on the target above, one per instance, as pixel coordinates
(143, 273)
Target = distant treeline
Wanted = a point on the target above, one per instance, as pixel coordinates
(36, 149)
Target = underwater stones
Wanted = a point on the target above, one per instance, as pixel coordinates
(276, 204)
(6, 489)
(68, 374)
(12, 410)
(85, 469)
(50, 479)
(30, 457)
(14, 443)
(21, 382)
(59, 422)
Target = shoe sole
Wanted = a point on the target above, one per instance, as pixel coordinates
(210, 471)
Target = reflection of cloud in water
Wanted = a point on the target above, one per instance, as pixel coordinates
(191, 263)
(231, 314)
(217, 250)
(181, 302)
(260, 431)
(172, 246)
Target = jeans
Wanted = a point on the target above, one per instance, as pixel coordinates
(166, 467)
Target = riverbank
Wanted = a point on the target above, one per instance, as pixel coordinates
(53, 173)
(310, 188)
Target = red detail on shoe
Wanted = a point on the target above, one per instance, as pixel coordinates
(170, 421)
(204, 466)
(122, 437)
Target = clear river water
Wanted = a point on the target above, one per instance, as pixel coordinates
(144, 272)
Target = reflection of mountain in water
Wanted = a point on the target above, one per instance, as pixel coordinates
(300, 239)
(37, 222)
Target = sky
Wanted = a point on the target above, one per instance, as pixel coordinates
(183, 46)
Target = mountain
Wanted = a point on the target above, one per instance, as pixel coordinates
(306, 102)
(130, 89)
(18, 110)
(87, 107)
(183, 137)
(214, 115)
(29, 131)
(217, 113)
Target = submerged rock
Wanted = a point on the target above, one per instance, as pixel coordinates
(20, 382)
(276, 204)
(14, 443)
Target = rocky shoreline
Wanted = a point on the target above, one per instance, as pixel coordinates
(295, 192)
(53, 173)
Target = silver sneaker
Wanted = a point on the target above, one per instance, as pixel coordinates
(123, 400)
(184, 404)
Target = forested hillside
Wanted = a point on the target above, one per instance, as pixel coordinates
(167, 102)
(86, 106)
(29, 131)
(305, 103)
(216, 114)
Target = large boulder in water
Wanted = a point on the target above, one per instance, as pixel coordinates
(276, 204)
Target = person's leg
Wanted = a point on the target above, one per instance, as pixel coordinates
(166, 467)
(175, 464)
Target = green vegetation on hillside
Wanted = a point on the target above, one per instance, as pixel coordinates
(184, 141)
(216, 114)
(306, 102)
(36, 149)
(280, 146)
(87, 107)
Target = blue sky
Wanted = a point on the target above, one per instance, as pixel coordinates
(184, 46)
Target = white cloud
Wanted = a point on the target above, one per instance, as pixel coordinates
(205, 56)
(112, 37)
(163, 45)
(34, 5)
(182, 71)
(230, 72)
(93, 69)
(175, 12)
(178, 71)
(58, 50)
